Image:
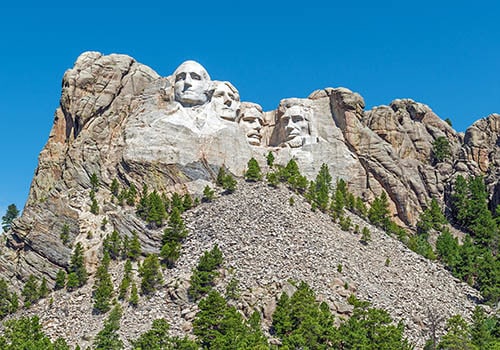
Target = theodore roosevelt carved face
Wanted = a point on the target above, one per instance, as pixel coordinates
(192, 84)
(251, 121)
(226, 100)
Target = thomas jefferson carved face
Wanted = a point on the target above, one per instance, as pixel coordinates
(295, 124)
(192, 84)
(226, 100)
(251, 121)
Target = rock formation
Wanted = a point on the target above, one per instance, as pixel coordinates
(120, 120)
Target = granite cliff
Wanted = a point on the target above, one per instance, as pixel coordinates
(120, 120)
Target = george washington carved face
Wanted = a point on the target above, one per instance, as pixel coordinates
(192, 84)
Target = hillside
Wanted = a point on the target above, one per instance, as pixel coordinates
(267, 242)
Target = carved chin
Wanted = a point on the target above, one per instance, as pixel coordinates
(295, 142)
(190, 99)
(226, 113)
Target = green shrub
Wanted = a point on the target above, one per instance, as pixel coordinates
(253, 172)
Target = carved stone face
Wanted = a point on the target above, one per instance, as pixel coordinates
(295, 124)
(192, 84)
(226, 100)
(251, 121)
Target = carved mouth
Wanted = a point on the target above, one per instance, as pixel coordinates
(254, 135)
(292, 135)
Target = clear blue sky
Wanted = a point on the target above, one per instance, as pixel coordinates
(444, 54)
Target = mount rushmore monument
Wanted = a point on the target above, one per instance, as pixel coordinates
(119, 119)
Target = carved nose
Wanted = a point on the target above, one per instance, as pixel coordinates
(228, 103)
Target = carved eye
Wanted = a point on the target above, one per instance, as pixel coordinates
(231, 96)
(195, 76)
(180, 76)
(249, 118)
(297, 118)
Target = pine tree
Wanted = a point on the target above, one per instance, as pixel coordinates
(125, 283)
(365, 235)
(272, 179)
(448, 249)
(440, 149)
(229, 183)
(172, 238)
(64, 234)
(11, 213)
(208, 194)
(378, 214)
(291, 169)
(360, 207)
(72, 282)
(282, 323)
(134, 249)
(203, 276)
(115, 187)
(221, 176)
(270, 159)
(104, 222)
(338, 200)
(322, 186)
(77, 268)
(482, 330)
(157, 338)
(220, 326)
(156, 213)
(457, 336)
(170, 253)
(370, 328)
(94, 207)
(8, 300)
(131, 194)
(60, 279)
(108, 338)
(43, 290)
(26, 333)
(134, 295)
(253, 172)
(103, 287)
(419, 244)
(30, 291)
(187, 201)
(460, 201)
(301, 322)
(176, 229)
(94, 182)
(482, 224)
(151, 274)
(112, 245)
